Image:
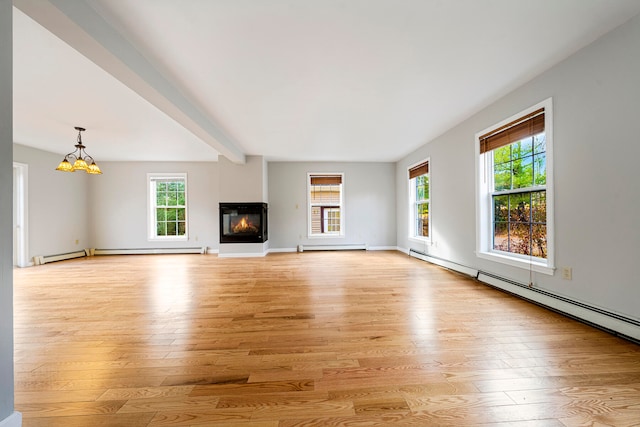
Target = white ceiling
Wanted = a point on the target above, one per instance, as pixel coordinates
(298, 80)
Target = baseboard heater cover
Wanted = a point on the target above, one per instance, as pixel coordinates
(150, 251)
(355, 247)
(45, 259)
(609, 321)
(614, 323)
(13, 420)
(444, 263)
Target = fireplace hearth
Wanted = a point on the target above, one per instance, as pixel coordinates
(243, 223)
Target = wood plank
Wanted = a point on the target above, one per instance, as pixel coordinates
(319, 338)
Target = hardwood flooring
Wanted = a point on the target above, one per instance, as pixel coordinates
(309, 339)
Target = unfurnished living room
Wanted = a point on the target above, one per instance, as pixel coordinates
(270, 213)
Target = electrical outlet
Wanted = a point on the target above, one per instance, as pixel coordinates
(566, 273)
(77, 241)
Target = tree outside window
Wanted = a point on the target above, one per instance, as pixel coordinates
(168, 216)
(420, 201)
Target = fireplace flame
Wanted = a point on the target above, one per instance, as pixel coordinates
(245, 226)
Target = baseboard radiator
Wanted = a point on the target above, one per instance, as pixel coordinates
(614, 323)
(45, 259)
(150, 251)
(355, 247)
(444, 263)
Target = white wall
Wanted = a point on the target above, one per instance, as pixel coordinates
(369, 196)
(119, 203)
(58, 203)
(596, 105)
(243, 182)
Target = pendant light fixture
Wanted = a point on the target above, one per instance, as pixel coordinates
(80, 159)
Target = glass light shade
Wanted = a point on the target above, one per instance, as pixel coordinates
(80, 165)
(65, 166)
(94, 169)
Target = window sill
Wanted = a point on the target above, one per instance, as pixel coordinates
(168, 239)
(516, 262)
(421, 240)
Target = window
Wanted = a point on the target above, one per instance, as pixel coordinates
(515, 192)
(326, 213)
(168, 206)
(419, 196)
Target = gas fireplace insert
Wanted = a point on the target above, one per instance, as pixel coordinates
(243, 223)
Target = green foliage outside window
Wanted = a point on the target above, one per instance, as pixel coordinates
(520, 217)
(170, 208)
(422, 206)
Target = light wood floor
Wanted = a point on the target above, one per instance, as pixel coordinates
(310, 339)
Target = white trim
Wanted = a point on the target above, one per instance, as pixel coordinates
(524, 263)
(21, 188)
(483, 210)
(242, 254)
(345, 247)
(13, 420)
(282, 250)
(151, 217)
(243, 250)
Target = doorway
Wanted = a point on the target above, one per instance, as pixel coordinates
(20, 215)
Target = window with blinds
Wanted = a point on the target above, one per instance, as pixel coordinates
(325, 197)
(514, 160)
(419, 200)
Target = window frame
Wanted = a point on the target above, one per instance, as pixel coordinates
(311, 205)
(152, 178)
(485, 191)
(413, 202)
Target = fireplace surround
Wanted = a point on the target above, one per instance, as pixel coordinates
(243, 223)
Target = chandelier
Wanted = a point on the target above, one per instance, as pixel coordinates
(80, 159)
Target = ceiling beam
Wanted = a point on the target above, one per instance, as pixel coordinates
(77, 23)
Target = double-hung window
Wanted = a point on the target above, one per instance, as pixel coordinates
(515, 191)
(420, 202)
(167, 206)
(326, 213)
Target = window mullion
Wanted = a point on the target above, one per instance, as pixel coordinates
(518, 191)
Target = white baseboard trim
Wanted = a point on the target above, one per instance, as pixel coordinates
(354, 247)
(382, 248)
(282, 250)
(13, 420)
(242, 254)
(338, 247)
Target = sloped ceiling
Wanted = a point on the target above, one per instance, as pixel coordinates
(291, 80)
